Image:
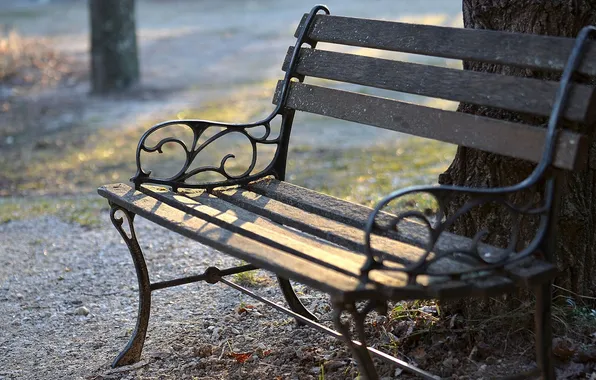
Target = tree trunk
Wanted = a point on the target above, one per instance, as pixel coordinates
(114, 60)
(576, 237)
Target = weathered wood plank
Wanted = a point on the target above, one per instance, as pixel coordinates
(252, 226)
(528, 273)
(280, 262)
(347, 213)
(330, 207)
(202, 203)
(491, 135)
(353, 237)
(327, 229)
(526, 95)
(318, 264)
(523, 50)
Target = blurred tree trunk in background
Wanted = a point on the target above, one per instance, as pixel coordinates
(576, 246)
(114, 59)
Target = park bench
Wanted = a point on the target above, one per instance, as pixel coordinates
(362, 257)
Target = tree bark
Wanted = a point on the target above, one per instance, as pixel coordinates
(576, 236)
(114, 59)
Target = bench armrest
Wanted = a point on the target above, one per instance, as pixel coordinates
(476, 257)
(202, 134)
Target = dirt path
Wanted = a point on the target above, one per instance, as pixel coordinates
(194, 52)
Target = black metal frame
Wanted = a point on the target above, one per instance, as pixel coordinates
(132, 352)
(484, 264)
(276, 167)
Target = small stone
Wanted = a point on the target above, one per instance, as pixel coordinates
(203, 351)
(300, 354)
(332, 365)
(482, 368)
(216, 333)
(235, 331)
(82, 311)
(491, 360)
(450, 362)
(483, 350)
(19, 296)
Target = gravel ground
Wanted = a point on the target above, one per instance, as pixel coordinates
(68, 303)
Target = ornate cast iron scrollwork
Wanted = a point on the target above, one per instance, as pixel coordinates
(484, 264)
(132, 352)
(358, 315)
(477, 260)
(199, 127)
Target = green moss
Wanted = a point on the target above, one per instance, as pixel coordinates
(249, 279)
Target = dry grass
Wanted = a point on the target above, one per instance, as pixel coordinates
(29, 62)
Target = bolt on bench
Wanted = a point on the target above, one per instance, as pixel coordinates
(364, 258)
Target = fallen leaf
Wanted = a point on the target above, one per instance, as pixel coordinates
(245, 308)
(241, 357)
(563, 348)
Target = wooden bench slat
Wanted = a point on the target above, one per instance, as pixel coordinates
(517, 49)
(353, 214)
(491, 135)
(325, 267)
(526, 95)
(330, 256)
(405, 245)
(530, 273)
(321, 227)
(339, 233)
(283, 263)
(252, 226)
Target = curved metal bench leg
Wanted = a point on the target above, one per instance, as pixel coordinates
(295, 304)
(542, 319)
(132, 352)
(360, 351)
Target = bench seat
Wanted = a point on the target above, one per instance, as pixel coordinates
(312, 238)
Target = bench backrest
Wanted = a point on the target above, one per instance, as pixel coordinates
(518, 94)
